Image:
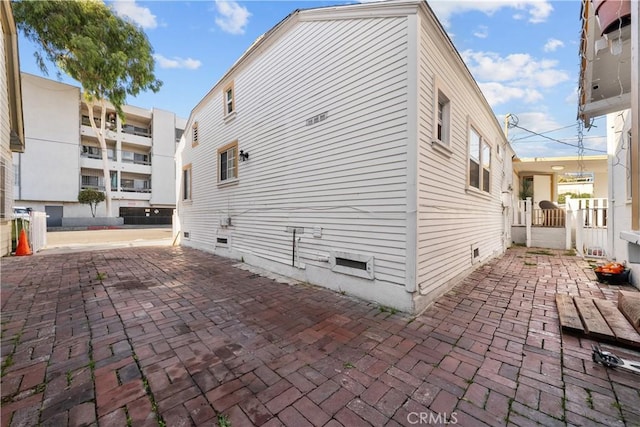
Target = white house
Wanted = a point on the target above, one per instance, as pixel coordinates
(11, 126)
(65, 157)
(351, 148)
(610, 75)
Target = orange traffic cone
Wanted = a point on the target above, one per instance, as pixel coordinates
(23, 245)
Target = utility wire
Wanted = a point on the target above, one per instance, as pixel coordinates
(549, 131)
(557, 140)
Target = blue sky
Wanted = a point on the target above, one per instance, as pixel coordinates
(524, 55)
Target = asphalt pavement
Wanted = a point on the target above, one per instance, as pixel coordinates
(84, 240)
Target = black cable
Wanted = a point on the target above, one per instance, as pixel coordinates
(558, 141)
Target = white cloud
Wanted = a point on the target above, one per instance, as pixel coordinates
(552, 44)
(232, 18)
(176, 62)
(537, 121)
(482, 32)
(539, 11)
(498, 93)
(519, 69)
(572, 98)
(536, 10)
(138, 14)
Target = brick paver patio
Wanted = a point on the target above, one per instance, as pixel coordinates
(174, 336)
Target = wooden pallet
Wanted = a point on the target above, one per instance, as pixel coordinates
(596, 318)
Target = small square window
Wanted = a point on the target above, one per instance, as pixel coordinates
(229, 99)
(228, 162)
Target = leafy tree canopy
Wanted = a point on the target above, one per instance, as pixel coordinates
(91, 197)
(109, 56)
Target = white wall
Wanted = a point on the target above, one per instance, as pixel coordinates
(5, 151)
(345, 175)
(50, 168)
(162, 163)
(618, 126)
(453, 218)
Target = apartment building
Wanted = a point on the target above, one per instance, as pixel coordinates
(66, 157)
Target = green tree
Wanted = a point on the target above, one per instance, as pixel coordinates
(92, 198)
(109, 56)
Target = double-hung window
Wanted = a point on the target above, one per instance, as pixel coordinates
(443, 114)
(228, 162)
(479, 161)
(229, 99)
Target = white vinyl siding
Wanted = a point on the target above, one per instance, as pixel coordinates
(345, 174)
(452, 219)
(6, 163)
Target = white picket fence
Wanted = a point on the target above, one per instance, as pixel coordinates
(590, 216)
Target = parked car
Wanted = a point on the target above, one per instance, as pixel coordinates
(21, 212)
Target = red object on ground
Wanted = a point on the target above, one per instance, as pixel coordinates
(23, 245)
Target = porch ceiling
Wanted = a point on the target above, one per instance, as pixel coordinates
(542, 165)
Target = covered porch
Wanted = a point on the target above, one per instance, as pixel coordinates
(579, 224)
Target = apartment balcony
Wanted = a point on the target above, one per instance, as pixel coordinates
(129, 193)
(87, 131)
(91, 156)
(132, 134)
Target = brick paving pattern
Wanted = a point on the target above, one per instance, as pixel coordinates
(177, 337)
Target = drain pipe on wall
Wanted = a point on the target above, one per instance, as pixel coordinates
(293, 249)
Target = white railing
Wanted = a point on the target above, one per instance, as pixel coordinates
(519, 213)
(590, 218)
(584, 218)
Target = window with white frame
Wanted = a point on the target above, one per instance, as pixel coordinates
(229, 99)
(479, 161)
(228, 162)
(443, 118)
(186, 182)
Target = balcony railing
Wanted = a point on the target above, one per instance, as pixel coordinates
(135, 190)
(96, 187)
(136, 158)
(87, 122)
(136, 130)
(91, 152)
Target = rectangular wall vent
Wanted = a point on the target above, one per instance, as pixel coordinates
(222, 240)
(475, 254)
(317, 119)
(186, 234)
(360, 265)
(353, 264)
